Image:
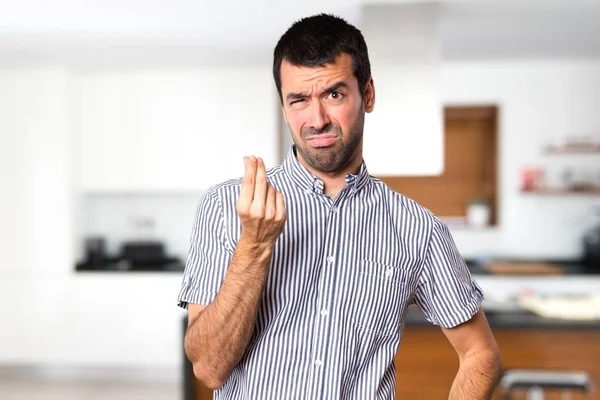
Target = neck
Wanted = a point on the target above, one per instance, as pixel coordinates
(334, 182)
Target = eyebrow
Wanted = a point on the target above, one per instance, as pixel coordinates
(330, 89)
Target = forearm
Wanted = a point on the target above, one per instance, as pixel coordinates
(217, 339)
(477, 376)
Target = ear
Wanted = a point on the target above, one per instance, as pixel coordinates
(369, 95)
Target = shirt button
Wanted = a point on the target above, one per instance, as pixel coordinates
(324, 312)
(330, 259)
(318, 363)
(334, 209)
(389, 273)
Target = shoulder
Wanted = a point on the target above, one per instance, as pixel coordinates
(415, 220)
(406, 209)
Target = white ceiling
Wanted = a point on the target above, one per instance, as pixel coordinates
(520, 29)
(121, 32)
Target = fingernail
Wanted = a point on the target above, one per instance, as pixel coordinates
(253, 158)
(260, 160)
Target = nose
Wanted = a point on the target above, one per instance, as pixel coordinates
(320, 118)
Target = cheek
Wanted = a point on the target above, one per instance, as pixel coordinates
(343, 116)
(297, 120)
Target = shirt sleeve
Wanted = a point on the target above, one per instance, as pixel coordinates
(446, 293)
(208, 257)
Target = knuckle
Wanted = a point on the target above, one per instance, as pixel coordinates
(279, 217)
(257, 212)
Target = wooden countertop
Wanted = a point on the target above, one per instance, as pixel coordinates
(519, 267)
(511, 320)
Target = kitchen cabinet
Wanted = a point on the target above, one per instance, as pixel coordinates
(173, 130)
(120, 319)
(426, 363)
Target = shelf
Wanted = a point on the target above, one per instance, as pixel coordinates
(121, 266)
(127, 271)
(563, 192)
(594, 149)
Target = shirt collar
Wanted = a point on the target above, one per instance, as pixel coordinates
(309, 182)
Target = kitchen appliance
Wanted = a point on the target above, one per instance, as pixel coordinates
(143, 251)
(144, 254)
(95, 251)
(138, 255)
(591, 249)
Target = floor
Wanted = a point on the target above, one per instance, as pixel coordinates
(43, 389)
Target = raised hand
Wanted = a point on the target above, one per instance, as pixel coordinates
(260, 206)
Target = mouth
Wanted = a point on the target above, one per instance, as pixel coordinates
(321, 141)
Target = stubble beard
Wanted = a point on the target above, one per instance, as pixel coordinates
(331, 159)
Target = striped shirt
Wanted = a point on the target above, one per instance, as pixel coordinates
(341, 277)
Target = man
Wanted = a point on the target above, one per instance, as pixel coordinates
(298, 276)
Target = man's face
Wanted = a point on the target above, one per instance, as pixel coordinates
(325, 112)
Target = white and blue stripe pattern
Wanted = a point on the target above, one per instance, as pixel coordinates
(342, 274)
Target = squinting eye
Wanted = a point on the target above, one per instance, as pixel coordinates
(296, 101)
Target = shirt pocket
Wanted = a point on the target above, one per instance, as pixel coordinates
(379, 297)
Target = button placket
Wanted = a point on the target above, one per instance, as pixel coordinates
(323, 321)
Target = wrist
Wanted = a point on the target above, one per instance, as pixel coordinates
(254, 249)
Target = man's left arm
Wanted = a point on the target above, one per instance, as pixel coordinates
(450, 298)
(479, 357)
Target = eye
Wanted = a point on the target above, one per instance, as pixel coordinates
(296, 102)
(336, 95)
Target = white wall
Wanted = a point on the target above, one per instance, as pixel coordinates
(173, 129)
(540, 102)
(36, 167)
(37, 228)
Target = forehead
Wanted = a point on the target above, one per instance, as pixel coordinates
(295, 78)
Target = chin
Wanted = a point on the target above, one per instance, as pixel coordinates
(324, 159)
(331, 164)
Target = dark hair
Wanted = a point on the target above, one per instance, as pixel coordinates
(316, 41)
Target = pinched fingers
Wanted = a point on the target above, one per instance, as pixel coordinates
(258, 207)
(248, 185)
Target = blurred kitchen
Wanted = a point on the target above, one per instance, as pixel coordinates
(117, 116)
